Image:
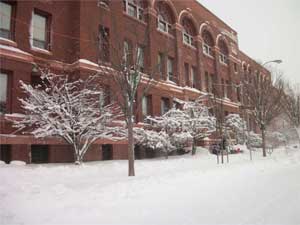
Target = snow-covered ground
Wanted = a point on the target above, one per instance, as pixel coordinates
(180, 190)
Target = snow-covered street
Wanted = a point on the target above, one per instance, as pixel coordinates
(180, 190)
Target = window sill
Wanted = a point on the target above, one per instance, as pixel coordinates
(40, 50)
(165, 33)
(8, 42)
(207, 55)
(102, 5)
(189, 46)
(224, 64)
(134, 19)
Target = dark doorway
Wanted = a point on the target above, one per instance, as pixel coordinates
(5, 153)
(150, 153)
(137, 152)
(39, 153)
(107, 152)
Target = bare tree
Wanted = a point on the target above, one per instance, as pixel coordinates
(291, 106)
(73, 110)
(264, 94)
(130, 75)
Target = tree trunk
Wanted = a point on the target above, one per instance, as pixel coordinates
(298, 133)
(194, 147)
(131, 171)
(263, 136)
(167, 155)
(77, 157)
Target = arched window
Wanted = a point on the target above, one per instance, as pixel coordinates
(208, 43)
(135, 8)
(165, 19)
(223, 52)
(188, 32)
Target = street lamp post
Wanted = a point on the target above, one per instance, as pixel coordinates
(278, 61)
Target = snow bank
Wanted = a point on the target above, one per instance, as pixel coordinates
(181, 190)
(2, 162)
(17, 163)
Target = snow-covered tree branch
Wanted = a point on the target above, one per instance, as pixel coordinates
(72, 110)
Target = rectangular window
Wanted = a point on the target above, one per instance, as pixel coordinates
(186, 74)
(165, 105)
(193, 77)
(188, 39)
(235, 67)
(40, 30)
(6, 11)
(160, 63)
(207, 86)
(3, 92)
(140, 58)
(223, 59)
(207, 50)
(163, 25)
(147, 105)
(211, 83)
(127, 53)
(104, 55)
(170, 69)
(132, 8)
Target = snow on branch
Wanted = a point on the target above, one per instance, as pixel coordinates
(73, 109)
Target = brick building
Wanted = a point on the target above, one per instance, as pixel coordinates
(65, 36)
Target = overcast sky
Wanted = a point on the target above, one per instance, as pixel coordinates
(267, 29)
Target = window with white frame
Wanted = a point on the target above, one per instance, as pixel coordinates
(164, 18)
(147, 105)
(207, 50)
(163, 25)
(134, 8)
(144, 106)
(223, 59)
(40, 37)
(208, 43)
(170, 72)
(188, 32)
(223, 52)
(140, 58)
(3, 92)
(126, 52)
(6, 20)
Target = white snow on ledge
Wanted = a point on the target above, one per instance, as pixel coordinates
(192, 89)
(13, 49)
(85, 61)
(7, 40)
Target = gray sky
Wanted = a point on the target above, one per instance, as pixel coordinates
(266, 29)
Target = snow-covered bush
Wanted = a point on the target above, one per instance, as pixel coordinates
(200, 123)
(237, 125)
(181, 140)
(184, 127)
(254, 140)
(276, 138)
(72, 110)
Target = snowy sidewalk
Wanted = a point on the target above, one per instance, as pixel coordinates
(181, 190)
